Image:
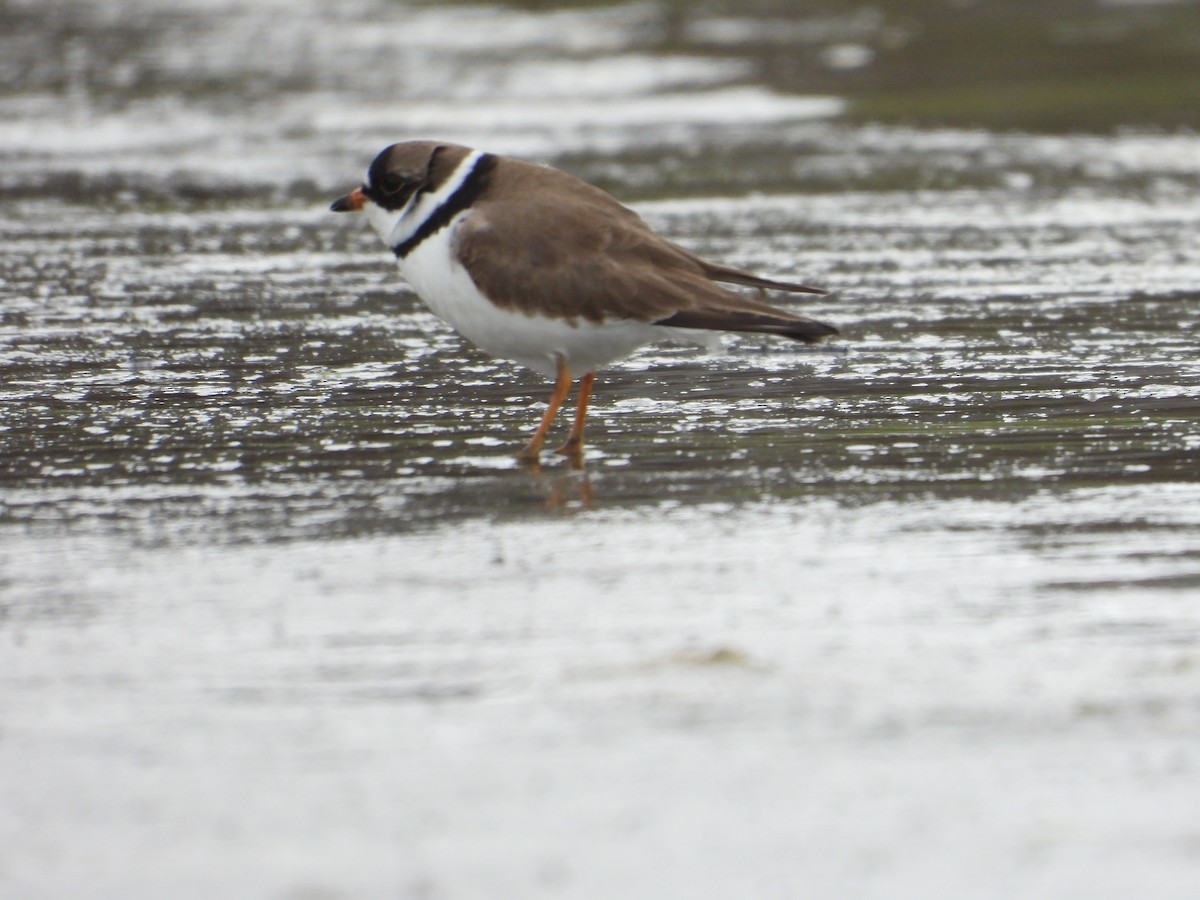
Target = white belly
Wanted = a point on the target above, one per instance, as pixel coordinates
(532, 341)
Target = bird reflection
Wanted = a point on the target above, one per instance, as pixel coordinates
(563, 490)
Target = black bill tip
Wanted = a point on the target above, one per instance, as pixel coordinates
(352, 202)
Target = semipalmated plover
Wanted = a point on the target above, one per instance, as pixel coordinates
(540, 267)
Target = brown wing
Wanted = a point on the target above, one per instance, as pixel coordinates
(569, 250)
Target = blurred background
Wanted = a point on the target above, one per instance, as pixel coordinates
(242, 81)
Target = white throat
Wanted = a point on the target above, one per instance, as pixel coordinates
(397, 226)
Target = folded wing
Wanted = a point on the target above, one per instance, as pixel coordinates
(597, 260)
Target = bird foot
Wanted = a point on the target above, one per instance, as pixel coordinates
(573, 451)
(530, 455)
(573, 447)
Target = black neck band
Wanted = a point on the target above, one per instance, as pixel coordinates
(466, 194)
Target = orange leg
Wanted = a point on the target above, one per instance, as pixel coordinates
(574, 445)
(532, 451)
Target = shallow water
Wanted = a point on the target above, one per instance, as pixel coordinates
(909, 614)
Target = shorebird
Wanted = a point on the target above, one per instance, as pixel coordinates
(537, 266)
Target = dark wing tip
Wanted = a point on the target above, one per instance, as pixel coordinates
(797, 328)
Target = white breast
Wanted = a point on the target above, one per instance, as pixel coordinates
(533, 341)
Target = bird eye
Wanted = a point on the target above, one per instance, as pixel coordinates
(391, 183)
